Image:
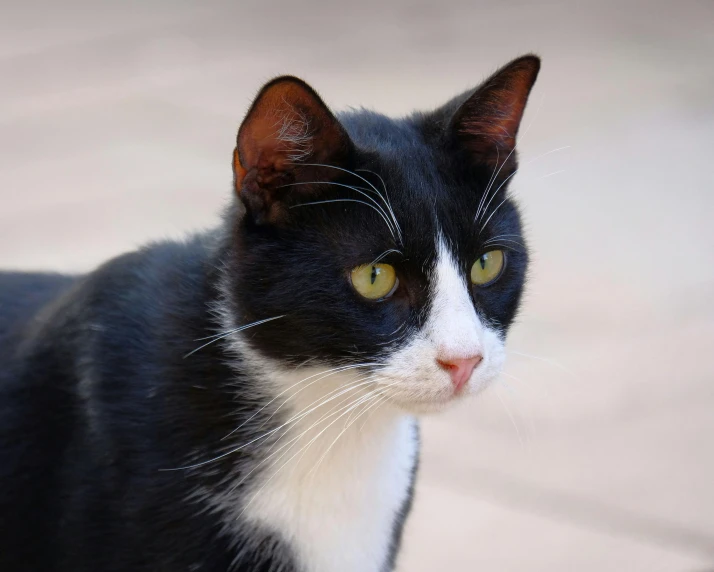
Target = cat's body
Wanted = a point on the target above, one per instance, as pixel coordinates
(100, 361)
(231, 402)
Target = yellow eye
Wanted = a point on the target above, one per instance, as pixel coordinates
(374, 281)
(487, 268)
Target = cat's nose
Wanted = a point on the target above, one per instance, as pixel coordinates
(460, 369)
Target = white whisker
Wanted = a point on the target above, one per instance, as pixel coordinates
(545, 360)
(479, 213)
(488, 186)
(502, 240)
(510, 416)
(386, 192)
(491, 215)
(263, 436)
(495, 194)
(384, 399)
(324, 374)
(388, 204)
(303, 450)
(385, 253)
(302, 389)
(392, 228)
(233, 331)
(348, 201)
(348, 424)
(293, 440)
(519, 169)
(500, 236)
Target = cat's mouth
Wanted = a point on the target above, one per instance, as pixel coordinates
(427, 383)
(430, 393)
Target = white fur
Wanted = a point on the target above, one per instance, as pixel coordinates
(294, 132)
(335, 494)
(453, 330)
(338, 511)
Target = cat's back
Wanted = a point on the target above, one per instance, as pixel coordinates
(28, 425)
(23, 294)
(67, 344)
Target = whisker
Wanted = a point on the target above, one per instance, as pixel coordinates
(516, 171)
(511, 376)
(386, 192)
(488, 186)
(494, 182)
(349, 389)
(385, 253)
(376, 400)
(500, 236)
(300, 390)
(303, 450)
(356, 189)
(371, 395)
(480, 214)
(547, 153)
(545, 360)
(349, 409)
(505, 246)
(395, 331)
(512, 390)
(510, 416)
(384, 399)
(495, 194)
(399, 230)
(346, 389)
(267, 434)
(293, 440)
(233, 331)
(519, 243)
(326, 373)
(353, 187)
(348, 201)
(491, 215)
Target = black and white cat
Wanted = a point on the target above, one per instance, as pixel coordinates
(246, 400)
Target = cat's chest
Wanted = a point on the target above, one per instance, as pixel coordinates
(336, 496)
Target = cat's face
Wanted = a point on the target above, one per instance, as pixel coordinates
(387, 243)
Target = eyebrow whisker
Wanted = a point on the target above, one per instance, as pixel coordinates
(399, 230)
(392, 228)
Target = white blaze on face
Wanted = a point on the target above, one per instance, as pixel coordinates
(335, 492)
(453, 330)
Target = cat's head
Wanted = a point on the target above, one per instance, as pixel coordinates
(389, 243)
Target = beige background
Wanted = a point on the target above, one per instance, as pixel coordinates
(117, 121)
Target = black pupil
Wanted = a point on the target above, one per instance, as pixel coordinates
(374, 274)
(482, 261)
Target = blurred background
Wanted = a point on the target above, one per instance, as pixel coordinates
(596, 449)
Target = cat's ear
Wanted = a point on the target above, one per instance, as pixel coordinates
(487, 122)
(287, 130)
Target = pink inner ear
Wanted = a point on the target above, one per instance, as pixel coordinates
(287, 126)
(490, 118)
(279, 135)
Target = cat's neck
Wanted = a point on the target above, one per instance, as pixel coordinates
(339, 472)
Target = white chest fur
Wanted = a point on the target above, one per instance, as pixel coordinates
(335, 495)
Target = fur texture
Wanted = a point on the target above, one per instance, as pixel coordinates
(232, 402)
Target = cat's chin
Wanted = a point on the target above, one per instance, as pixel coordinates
(428, 406)
(438, 402)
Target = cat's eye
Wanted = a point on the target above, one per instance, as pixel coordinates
(374, 281)
(487, 269)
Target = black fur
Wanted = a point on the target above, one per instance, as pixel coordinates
(97, 399)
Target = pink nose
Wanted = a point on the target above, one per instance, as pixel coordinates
(460, 369)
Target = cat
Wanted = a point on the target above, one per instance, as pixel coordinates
(246, 400)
